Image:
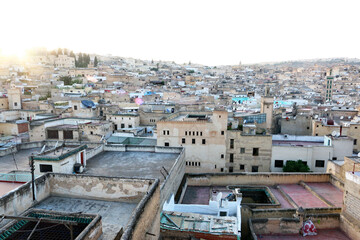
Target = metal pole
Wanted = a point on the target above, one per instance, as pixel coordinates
(34, 230)
(71, 233)
(32, 168)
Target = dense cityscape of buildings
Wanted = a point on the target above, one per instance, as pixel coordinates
(140, 149)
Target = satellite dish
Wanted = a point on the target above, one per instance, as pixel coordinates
(342, 117)
(358, 154)
(337, 134)
(333, 133)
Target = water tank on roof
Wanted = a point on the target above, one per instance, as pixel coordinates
(88, 103)
(78, 168)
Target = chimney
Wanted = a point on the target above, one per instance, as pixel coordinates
(340, 130)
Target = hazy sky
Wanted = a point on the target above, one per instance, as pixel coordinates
(207, 32)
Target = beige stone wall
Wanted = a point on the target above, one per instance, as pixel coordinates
(9, 129)
(258, 178)
(199, 156)
(249, 142)
(37, 133)
(151, 118)
(339, 171)
(94, 133)
(4, 103)
(350, 215)
(354, 132)
(267, 106)
(127, 120)
(14, 97)
(318, 129)
(149, 221)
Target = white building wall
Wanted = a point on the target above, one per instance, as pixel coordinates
(309, 154)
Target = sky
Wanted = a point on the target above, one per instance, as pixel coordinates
(223, 32)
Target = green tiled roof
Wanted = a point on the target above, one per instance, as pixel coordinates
(61, 157)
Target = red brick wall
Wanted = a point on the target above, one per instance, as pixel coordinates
(23, 127)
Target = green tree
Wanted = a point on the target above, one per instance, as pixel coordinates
(296, 166)
(66, 79)
(95, 62)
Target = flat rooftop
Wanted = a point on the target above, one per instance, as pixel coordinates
(322, 234)
(131, 164)
(115, 215)
(21, 158)
(295, 192)
(6, 187)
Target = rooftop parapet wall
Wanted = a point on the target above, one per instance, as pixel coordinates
(224, 179)
(280, 226)
(99, 188)
(174, 178)
(141, 148)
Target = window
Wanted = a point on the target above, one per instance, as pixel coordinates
(91, 132)
(231, 143)
(75, 107)
(53, 134)
(200, 133)
(334, 158)
(167, 144)
(222, 155)
(164, 132)
(68, 135)
(320, 163)
(223, 214)
(122, 125)
(215, 166)
(204, 141)
(197, 133)
(255, 151)
(307, 127)
(222, 169)
(15, 104)
(355, 141)
(255, 168)
(183, 140)
(231, 157)
(46, 168)
(242, 150)
(130, 126)
(222, 132)
(168, 132)
(279, 163)
(193, 141)
(231, 169)
(185, 133)
(242, 167)
(305, 163)
(193, 133)
(355, 127)
(316, 134)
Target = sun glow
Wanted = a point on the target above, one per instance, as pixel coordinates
(13, 52)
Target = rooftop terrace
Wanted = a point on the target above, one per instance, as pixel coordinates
(131, 164)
